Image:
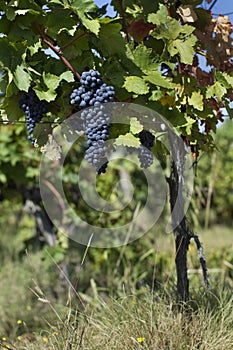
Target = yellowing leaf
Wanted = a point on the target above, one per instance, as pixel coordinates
(187, 13)
(168, 100)
(67, 76)
(156, 95)
(127, 140)
(217, 90)
(196, 100)
(135, 126)
(136, 84)
(48, 95)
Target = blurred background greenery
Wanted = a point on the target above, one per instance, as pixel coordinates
(34, 276)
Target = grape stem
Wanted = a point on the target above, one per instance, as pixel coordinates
(58, 52)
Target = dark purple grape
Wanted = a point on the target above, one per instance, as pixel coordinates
(96, 122)
(145, 155)
(34, 110)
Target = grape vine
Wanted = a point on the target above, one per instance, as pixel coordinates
(96, 122)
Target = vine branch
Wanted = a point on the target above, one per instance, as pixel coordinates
(212, 5)
(201, 258)
(72, 41)
(56, 51)
(122, 13)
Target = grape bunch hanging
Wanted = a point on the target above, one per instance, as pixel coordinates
(96, 121)
(34, 110)
(145, 155)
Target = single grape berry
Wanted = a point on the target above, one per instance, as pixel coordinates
(34, 110)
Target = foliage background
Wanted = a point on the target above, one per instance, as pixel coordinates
(29, 268)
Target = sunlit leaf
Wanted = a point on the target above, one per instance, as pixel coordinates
(136, 84)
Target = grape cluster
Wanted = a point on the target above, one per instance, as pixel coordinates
(34, 110)
(96, 121)
(145, 155)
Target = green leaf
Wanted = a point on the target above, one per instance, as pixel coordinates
(188, 126)
(169, 30)
(57, 2)
(185, 49)
(156, 78)
(51, 81)
(142, 57)
(91, 24)
(67, 76)
(10, 108)
(33, 49)
(196, 100)
(224, 79)
(49, 95)
(109, 34)
(136, 84)
(127, 140)
(3, 178)
(187, 30)
(41, 133)
(217, 90)
(159, 17)
(156, 95)
(10, 54)
(59, 22)
(83, 6)
(22, 78)
(135, 126)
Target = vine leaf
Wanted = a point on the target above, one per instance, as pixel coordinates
(139, 29)
(110, 33)
(183, 47)
(196, 100)
(41, 133)
(135, 126)
(81, 8)
(142, 57)
(22, 78)
(127, 140)
(136, 84)
(217, 90)
(91, 24)
(187, 13)
(156, 78)
(156, 95)
(48, 95)
(160, 16)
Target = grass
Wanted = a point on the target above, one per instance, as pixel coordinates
(151, 321)
(135, 318)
